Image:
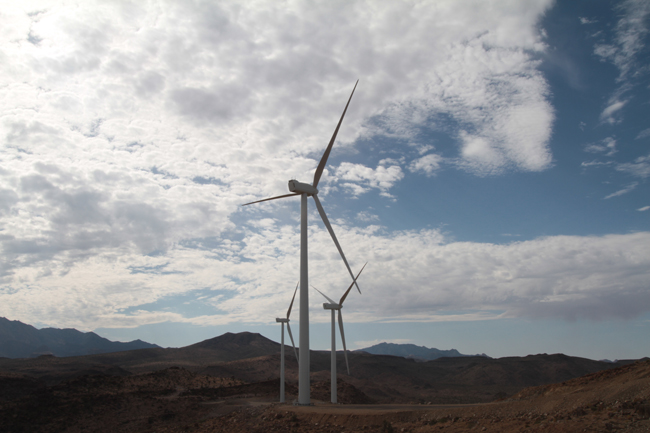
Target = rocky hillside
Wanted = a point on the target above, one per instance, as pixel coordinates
(176, 400)
(252, 358)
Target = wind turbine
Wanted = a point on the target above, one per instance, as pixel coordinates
(305, 190)
(333, 306)
(284, 320)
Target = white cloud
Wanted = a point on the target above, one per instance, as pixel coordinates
(643, 209)
(639, 168)
(132, 132)
(428, 164)
(605, 51)
(367, 217)
(611, 113)
(565, 277)
(500, 102)
(595, 163)
(606, 146)
(278, 85)
(625, 190)
(382, 178)
(412, 276)
(424, 148)
(631, 30)
(190, 67)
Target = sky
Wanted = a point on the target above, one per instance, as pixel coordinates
(492, 170)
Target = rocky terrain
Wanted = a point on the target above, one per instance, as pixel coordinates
(385, 379)
(392, 379)
(176, 400)
(230, 383)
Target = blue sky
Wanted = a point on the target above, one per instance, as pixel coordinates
(492, 169)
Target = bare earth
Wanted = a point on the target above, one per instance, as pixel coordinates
(613, 400)
(177, 400)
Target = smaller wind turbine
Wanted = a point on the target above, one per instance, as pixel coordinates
(333, 306)
(284, 320)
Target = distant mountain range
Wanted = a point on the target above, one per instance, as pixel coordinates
(419, 353)
(217, 381)
(18, 340)
(252, 358)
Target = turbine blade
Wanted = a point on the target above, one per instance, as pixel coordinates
(272, 198)
(331, 302)
(345, 350)
(292, 343)
(336, 242)
(323, 160)
(345, 295)
(291, 304)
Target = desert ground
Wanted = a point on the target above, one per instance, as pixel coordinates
(178, 400)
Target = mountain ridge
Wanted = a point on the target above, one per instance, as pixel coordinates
(412, 351)
(20, 340)
(253, 358)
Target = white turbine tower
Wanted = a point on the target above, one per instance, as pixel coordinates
(333, 306)
(284, 320)
(305, 190)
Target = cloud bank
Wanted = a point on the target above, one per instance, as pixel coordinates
(411, 276)
(132, 132)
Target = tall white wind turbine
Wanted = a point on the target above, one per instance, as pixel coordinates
(333, 306)
(305, 190)
(284, 320)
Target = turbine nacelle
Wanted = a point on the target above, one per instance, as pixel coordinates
(327, 306)
(281, 320)
(302, 188)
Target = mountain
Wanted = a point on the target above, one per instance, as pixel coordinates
(232, 347)
(178, 400)
(221, 384)
(412, 351)
(18, 340)
(218, 350)
(228, 347)
(395, 379)
(252, 358)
